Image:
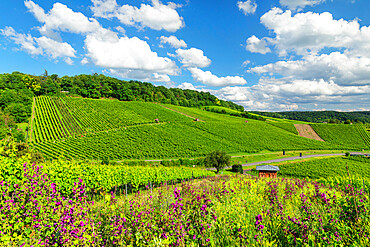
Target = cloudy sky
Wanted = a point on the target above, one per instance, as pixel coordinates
(273, 55)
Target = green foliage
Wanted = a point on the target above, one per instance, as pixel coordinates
(237, 168)
(15, 149)
(217, 159)
(16, 103)
(101, 177)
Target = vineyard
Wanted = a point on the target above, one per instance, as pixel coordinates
(285, 126)
(102, 178)
(364, 133)
(327, 167)
(58, 118)
(78, 128)
(341, 135)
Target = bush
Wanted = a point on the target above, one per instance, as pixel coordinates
(237, 168)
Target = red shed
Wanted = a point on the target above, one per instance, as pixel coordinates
(267, 171)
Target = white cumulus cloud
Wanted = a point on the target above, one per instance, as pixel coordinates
(248, 7)
(343, 69)
(27, 42)
(157, 16)
(187, 85)
(257, 45)
(127, 53)
(311, 32)
(193, 57)
(207, 78)
(41, 46)
(62, 18)
(54, 48)
(173, 41)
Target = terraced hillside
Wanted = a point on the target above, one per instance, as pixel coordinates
(95, 129)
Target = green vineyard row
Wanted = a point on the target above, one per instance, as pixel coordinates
(98, 177)
(57, 118)
(285, 126)
(364, 133)
(344, 136)
(327, 167)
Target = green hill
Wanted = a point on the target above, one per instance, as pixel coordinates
(82, 128)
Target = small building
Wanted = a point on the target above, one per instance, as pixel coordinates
(196, 120)
(267, 171)
(156, 120)
(246, 121)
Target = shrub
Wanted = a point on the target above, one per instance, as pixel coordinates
(237, 168)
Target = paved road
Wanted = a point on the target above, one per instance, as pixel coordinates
(292, 158)
(285, 159)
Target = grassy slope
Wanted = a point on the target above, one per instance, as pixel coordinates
(130, 133)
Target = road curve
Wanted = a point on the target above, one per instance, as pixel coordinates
(285, 159)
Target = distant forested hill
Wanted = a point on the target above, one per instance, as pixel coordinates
(18, 89)
(321, 116)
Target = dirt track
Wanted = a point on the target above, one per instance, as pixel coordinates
(305, 130)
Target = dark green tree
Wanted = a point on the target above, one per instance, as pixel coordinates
(217, 159)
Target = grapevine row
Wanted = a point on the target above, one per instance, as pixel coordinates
(103, 177)
(364, 133)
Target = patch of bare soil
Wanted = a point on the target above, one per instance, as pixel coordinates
(305, 130)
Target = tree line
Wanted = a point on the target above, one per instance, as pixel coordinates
(18, 89)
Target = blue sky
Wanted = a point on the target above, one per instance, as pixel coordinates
(276, 55)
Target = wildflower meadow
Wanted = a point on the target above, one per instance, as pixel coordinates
(222, 210)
